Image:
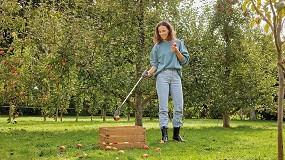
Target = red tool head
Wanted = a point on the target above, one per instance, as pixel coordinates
(117, 118)
(116, 115)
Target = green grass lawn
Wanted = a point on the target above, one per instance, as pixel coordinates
(32, 138)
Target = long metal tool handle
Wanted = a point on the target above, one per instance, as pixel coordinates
(117, 111)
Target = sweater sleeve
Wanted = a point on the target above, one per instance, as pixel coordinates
(184, 52)
(153, 57)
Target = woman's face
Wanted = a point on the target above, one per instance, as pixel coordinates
(163, 32)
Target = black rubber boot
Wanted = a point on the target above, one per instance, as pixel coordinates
(164, 134)
(176, 135)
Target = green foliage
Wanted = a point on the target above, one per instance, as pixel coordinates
(226, 45)
(76, 52)
(239, 66)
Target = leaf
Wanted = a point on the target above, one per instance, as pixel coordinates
(252, 7)
(244, 5)
(266, 27)
(258, 4)
(258, 20)
(268, 15)
(252, 23)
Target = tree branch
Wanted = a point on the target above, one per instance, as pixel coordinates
(147, 99)
(280, 65)
(283, 22)
(262, 15)
(274, 14)
(276, 32)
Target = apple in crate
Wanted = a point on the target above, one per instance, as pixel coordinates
(109, 148)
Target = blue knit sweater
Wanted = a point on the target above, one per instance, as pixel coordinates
(162, 57)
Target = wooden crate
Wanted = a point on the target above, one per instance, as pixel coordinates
(122, 137)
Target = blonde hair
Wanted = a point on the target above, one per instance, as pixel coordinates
(171, 35)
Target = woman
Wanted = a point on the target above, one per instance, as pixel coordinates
(167, 57)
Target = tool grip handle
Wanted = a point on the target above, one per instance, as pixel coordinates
(144, 73)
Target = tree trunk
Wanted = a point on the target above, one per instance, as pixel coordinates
(141, 46)
(129, 116)
(129, 112)
(91, 117)
(226, 120)
(61, 115)
(130, 105)
(252, 114)
(278, 44)
(56, 115)
(280, 113)
(77, 115)
(10, 113)
(104, 115)
(138, 120)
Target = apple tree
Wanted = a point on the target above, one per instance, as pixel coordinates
(224, 76)
(12, 86)
(272, 12)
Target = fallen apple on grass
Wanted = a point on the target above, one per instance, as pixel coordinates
(161, 141)
(83, 155)
(59, 154)
(79, 146)
(145, 156)
(145, 147)
(121, 151)
(62, 148)
(158, 149)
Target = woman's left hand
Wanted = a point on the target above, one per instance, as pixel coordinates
(174, 47)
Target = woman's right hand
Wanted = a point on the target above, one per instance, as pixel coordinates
(148, 74)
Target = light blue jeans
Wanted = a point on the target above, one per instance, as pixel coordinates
(168, 82)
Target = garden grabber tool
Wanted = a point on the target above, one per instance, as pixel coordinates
(116, 114)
